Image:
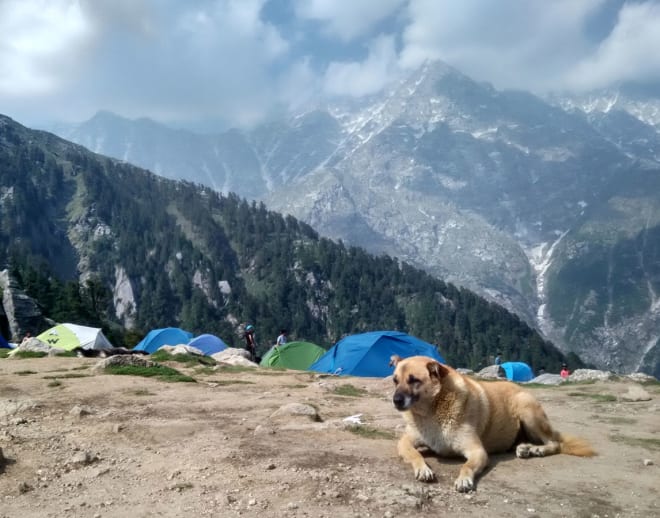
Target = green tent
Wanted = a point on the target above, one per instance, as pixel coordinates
(293, 355)
(70, 336)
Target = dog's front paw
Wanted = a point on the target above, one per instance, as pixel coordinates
(464, 484)
(424, 473)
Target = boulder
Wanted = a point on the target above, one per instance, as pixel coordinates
(548, 379)
(181, 349)
(36, 346)
(122, 360)
(492, 372)
(22, 312)
(590, 375)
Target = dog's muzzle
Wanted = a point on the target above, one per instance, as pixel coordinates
(401, 400)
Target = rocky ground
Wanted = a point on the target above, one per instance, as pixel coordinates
(257, 442)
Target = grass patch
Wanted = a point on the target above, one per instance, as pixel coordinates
(235, 368)
(29, 354)
(25, 373)
(160, 372)
(349, 390)
(4, 353)
(614, 419)
(54, 383)
(641, 442)
(67, 354)
(80, 368)
(599, 398)
(232, 382)
(205, 371)
(296, 386)
(180, 486)
(369, 432)
(67, 375)
(188, 359)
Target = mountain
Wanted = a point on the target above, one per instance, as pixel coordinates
(100, 242)
(505, 193)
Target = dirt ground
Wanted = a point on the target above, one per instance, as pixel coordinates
(80, 444)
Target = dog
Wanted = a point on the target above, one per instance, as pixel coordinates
(454, 415)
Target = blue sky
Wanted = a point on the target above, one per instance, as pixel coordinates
(238, 62)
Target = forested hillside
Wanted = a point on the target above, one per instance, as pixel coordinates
(97, 241)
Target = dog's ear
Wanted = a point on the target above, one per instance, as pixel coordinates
(394, 359)
(437, 369)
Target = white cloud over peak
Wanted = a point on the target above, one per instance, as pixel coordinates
(366, 77)
(347, 19)
(629, 53)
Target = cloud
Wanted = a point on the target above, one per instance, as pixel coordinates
(629, 53)
(512, 43)
(366, 77)
(347, 20)
(40, 45)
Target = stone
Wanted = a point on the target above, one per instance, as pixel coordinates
(636, 393)
(296, 410)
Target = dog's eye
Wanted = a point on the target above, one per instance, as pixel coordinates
(412, 380)
(395, 380)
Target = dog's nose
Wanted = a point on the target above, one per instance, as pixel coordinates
(399, 400)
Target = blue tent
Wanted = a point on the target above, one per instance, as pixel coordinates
(3, 343)
(208, 344)
(368, 354)
(166, 336)
(517, 371)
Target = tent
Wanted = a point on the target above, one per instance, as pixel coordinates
(293, 355)
(72, 336)
(165, 336)
(517, 371)
(368, 354)
(208, 344)
(3, 343)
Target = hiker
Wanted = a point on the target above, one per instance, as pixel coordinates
(250, 341)
(281, 340)
(564, 373)
(498, 359)
(26, 337)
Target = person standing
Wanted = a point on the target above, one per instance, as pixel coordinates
(281, 340)
(564, 373)
(498, 359)
(251, 342)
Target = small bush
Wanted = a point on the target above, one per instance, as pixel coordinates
(24, 373)
(164, 356)
(67, 375)
(160, 372)
(29, 354)
(54, 383)
(349, 390)
(600, 398)
(4, 353)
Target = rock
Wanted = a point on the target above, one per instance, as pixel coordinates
(2, 458)
(83, 458)
(548, 379)
(234, 356)
(181, 349)
(80, 411)
(492, 372)
(462, 370)
(264, 430)
(636, 393)
(591, 374)
(648, 462)
(36, 346)
(22, 312)
(297, 409)
(641, 377)
(24, 487)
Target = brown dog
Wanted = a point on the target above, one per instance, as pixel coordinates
(454, 415)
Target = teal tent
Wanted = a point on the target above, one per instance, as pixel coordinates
(156, 338)
(368, 354)
(517, 371)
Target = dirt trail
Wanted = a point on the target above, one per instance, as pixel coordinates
(114, 446)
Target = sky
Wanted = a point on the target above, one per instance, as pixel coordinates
(240, 62)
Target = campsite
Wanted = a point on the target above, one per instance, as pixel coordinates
(77, 440)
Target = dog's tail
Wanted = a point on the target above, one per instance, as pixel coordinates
(571, 445)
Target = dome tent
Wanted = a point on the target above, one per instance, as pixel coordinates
(368, 354)
(517, 371)
(208, 344)
(71, 336)
(293, 355)
(165, 336)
